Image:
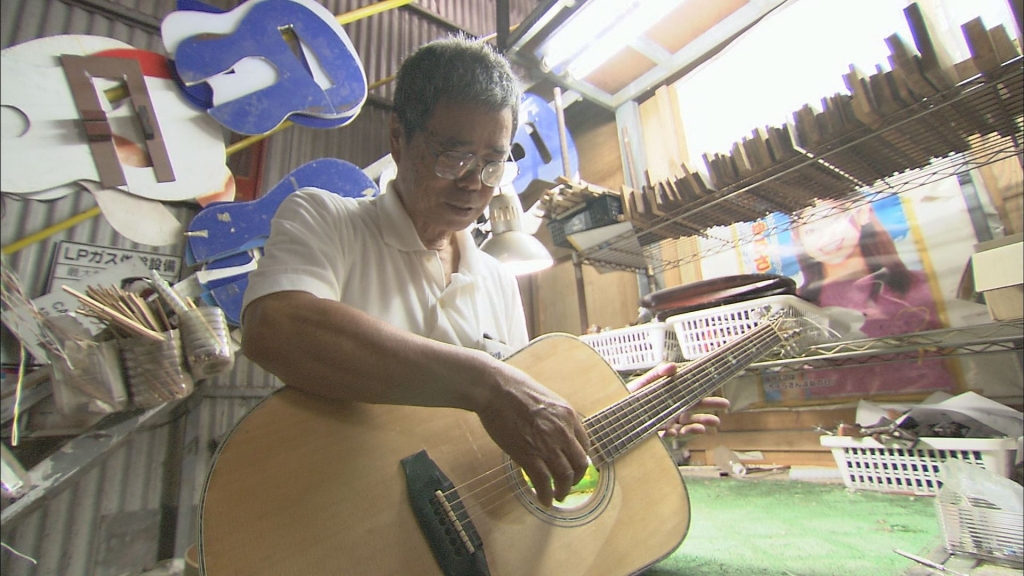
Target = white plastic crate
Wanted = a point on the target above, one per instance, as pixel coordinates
(704, 331)
(636, 347)
(980, 515)
(869, 465)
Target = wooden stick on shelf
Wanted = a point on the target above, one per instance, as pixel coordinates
(114, 317)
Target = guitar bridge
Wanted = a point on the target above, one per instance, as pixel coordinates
(443, 518)
(450, 514)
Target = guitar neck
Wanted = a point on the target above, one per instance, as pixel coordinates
(619, 427)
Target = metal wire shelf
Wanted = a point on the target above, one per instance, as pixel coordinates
(975, 123)
(1006, 336)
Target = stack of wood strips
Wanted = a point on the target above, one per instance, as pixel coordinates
(767, 158)
(126, 312)
(648, 207)
(567, 196)
(910, 108)
(894, 120)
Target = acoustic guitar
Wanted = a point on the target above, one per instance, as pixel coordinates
(308, 486)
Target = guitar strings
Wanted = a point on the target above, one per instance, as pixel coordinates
(758, 337)
(653, 394)
(657, 390)
(668, 385)
(608, 437)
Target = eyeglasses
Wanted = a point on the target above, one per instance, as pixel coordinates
(453, 165)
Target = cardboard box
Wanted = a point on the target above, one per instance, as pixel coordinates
(999, 276)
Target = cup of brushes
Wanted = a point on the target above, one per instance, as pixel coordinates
(204, 332)
(165, 343)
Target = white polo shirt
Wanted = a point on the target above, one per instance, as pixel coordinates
(366, 253)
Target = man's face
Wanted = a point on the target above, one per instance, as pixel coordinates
(439, 206)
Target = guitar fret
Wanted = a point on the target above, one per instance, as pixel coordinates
(613, 433)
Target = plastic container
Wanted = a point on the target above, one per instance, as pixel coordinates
(868, 465)
(704, 331)
(88, 379)
(154, 371)
(205, 341)
(636, 347)
(980, 514)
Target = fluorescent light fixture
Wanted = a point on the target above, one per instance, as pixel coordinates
(597, 31)
(586, 24)
(517, 250)
(636, 22)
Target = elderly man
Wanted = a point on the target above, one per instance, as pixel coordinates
(389, 301)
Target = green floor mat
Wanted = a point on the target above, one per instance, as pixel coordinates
(790, 528)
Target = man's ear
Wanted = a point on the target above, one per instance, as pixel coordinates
(395, 137)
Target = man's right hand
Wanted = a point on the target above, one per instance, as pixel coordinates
(540, 431)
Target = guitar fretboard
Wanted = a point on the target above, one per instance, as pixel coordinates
(617, 428)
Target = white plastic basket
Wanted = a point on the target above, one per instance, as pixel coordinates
(980, 515)
(636, 347)
(704, 331)
(869, 465)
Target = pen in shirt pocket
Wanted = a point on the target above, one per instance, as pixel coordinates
(495, 347)
(490, 338)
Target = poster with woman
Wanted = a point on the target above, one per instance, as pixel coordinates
(865, 259)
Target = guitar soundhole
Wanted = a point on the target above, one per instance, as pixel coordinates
(584, 503)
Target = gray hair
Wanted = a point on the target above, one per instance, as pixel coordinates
(454, 70)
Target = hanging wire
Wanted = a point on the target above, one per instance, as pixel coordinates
(14, 301)
(11, 549)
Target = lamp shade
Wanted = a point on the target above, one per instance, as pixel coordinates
(517, 250)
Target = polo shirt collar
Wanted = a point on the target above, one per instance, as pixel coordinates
(395, 222)
(400, 232)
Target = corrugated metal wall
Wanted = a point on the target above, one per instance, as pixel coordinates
(135, 505)
(76, 530)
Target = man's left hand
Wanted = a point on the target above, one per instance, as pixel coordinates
(686, 422)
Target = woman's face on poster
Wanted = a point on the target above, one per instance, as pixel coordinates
(832, 239)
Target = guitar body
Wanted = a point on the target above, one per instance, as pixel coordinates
(192, 18)
(224, 236)
(307, 486)
(538, 136)
(275, 83)
(230, 228)
(45, 147)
